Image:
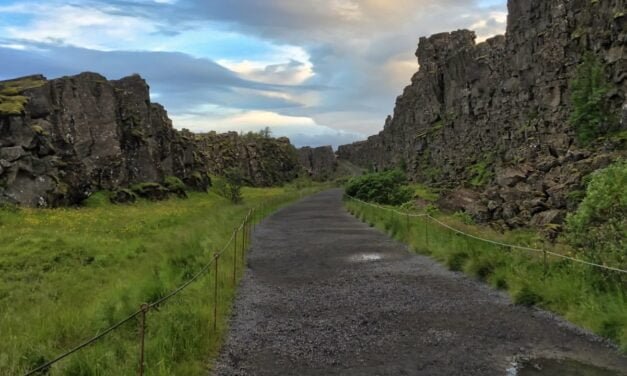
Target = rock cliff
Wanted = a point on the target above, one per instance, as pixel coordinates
(494, 116)
(263, 161)
(320, 163)
(63, 139)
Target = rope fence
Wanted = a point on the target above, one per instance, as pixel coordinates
(243, 231)
(506, 245)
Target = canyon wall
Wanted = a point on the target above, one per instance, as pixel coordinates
(320, 162)
(493, 117)
(62, 140)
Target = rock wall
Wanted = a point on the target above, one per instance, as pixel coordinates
(494, 116)
(320, 163)
(263, 161)
(63, 139)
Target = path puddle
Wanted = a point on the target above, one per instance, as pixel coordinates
(366, 257)
(551, 367)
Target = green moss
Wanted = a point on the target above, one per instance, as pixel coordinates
(481, 174)
(11, 100)
(174, 184)
(12, 105)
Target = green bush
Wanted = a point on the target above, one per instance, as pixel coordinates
(527, 297)
(590, 107)
(230, 185)
(598, 229)
(386, 188)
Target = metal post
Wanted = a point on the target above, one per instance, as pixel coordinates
(142, 335)
(215, 293)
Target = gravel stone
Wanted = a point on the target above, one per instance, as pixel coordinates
(309, 304)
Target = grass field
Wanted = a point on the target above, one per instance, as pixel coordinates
(577, 292)
(65, 274)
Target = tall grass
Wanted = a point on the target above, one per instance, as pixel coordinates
(564, 287)
(65, 274)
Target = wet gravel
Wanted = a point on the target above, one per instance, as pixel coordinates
(325, 294)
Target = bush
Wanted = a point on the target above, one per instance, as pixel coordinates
(598, 229)
(527, 297)
(230, 185)
(590, 114)
(386, 188)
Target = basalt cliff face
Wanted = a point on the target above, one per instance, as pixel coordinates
(320, 162)
(494, 117)
(262, 161)
(63, 139)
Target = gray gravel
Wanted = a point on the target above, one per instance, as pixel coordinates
(310, 303)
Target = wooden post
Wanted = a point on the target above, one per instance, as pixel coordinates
(545, 264)
(142, 336)
(215, 293)
(235, 256)
(427, 232)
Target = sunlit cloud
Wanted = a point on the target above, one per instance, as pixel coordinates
(317, 70)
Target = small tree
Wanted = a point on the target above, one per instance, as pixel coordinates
(590, 115)
(266, 132)
(234, 183)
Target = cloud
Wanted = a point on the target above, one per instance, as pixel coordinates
(302, 131)
(339, 63)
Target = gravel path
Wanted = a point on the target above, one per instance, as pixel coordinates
(316, 300)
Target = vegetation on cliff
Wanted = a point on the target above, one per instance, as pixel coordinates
(591, 111)
(11, 99)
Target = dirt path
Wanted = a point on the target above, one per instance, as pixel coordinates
(316, 301)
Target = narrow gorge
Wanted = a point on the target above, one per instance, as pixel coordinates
(490, 123)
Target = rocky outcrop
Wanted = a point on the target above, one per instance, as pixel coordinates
(320, 163)
(263, 161)
(494, 116)
(63, 139)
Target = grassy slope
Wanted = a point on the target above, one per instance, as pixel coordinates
(567, 288)
(67, 273)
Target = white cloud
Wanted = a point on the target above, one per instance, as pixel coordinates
(78, 26)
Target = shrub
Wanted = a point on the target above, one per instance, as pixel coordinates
(598, 229)
(230, 185)
(527, 297)
(174, 184)
(590, 107)
(386, 188)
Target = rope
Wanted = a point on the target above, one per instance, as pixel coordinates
(151, 305)
(388, 209)
(512, 246)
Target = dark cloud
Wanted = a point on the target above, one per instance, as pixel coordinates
(182, 81)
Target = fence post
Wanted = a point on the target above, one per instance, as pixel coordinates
(545, 264)
(142, 335)
(215, 292)
(427, 232)
(235, 256)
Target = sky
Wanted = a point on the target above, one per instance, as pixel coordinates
(322, 72)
